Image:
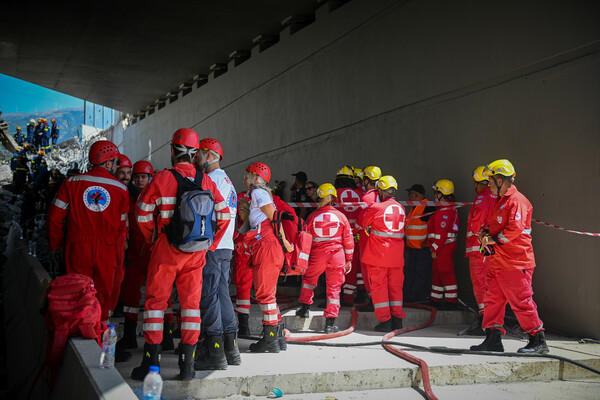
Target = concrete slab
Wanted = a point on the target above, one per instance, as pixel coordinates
(317, 369)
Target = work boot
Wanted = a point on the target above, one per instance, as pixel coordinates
(537, 345)
(215, 359)
(243, 328)
(129, 339)
(269, 343)
(330, 326)
(151, 357)
(186, 361)
(492, 342)
(361, 296)
(303, 311)
(396, 323)
(384, 326)
(281, 336)
(167, 342)
(232, 352)
(368, 307)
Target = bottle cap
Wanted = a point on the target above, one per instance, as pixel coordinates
(154, 368)
(111, 326)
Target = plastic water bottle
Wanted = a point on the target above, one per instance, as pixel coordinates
(153, 384)
(109, 341)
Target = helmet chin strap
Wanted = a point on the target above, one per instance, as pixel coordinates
(205, 163)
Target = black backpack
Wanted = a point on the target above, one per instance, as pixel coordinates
(193, 225)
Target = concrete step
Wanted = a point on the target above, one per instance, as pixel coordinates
(318, 369)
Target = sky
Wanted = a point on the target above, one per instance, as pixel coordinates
(24, 97)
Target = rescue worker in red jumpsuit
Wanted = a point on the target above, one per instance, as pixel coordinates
(348, 192)
(168, 264)
(442, 229)
(384, 255)
(266, 258)
(511, 263)
(93, 206)
(331, 252)
(371, 176)
(479, 216)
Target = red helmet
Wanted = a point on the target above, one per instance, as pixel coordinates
(125, 161)
(142, 167)
(52, 120)
(186, 137)
(103, 150)
(212, 144)
(41, 153)
(261, 170)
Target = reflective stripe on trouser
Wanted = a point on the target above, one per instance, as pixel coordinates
(352, 278)
(332, 263)
(242, 279)
(217, 311)
(91, 256)
(266, 262)
(443, 282)
(478, 269)
(386, 291)
(515, 288)
(168, 265)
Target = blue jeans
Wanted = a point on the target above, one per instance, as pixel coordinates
(218, 316)
(417, 273)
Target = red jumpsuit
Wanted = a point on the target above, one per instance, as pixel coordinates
(511, 268)
(384, 256)
(332, 247)
(354, 278)
(442, 229)
(242, 274)
(168, 264)
(479, 216)
(95, 207)
(370, 197)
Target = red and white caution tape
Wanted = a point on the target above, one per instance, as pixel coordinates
(404, 203)
(537, 221)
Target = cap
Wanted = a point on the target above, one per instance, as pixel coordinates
(301, 176)
(416, 188)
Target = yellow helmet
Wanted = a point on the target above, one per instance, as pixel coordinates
(478, 174)
(346, 171)
(325, 190)
(386, 182)
(445, 186)
(500, 167)
(358, 173)
(19, 148)
(373, 173)
(18, 128)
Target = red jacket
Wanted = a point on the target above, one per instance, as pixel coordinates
(479, 219)
(156, 204)
(369, 198)
(442, 229)
(93, 204)
(330, 230)
(349, 195)
(385, 246)
(510, 227)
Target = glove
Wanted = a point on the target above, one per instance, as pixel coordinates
(487, 250)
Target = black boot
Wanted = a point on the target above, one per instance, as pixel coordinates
(186, 361)
(303, 310)
(537, 344)
(151, 357)
(492, 342)
(243, 328)
(129, 339)
(232, 352)
(281, 336)
(368, 307)
(215, 359)
(396, 323)
(330, 326)
(167, 342)
(269, 343)
(384, 326)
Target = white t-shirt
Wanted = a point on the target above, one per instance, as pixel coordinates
(227, 190)
(260, 198)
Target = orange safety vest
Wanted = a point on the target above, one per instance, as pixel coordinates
(416, 229)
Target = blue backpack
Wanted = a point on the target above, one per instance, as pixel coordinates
(193, 225)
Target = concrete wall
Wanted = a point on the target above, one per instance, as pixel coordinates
(427, 90)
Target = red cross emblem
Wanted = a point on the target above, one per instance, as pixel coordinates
(393, 217)
(349, 196)
(326, 225)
